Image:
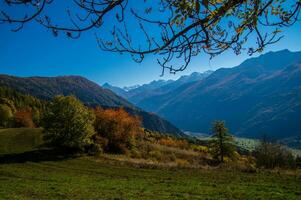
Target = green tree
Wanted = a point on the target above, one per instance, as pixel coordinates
(7, 100)
(6, 115)
(221, 144)
(36, 116)
(68, 123)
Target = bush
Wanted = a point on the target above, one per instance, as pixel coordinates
(182, 162)
(168, 141)
(136, 154)
(270, 155)
(68, 123)
(156, 155)
(200, 148)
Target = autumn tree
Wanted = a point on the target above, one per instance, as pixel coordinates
(68, 123)
(221, 143)
(118, 127)
(23, 118)
(173, 30)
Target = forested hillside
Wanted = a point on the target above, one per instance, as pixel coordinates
(88, 92)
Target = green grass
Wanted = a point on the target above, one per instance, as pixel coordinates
(43, 174)
(18, 140)
(90, 178)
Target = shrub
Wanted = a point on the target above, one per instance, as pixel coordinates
(182, 162)
(136, 153)
(168, 141)
(156, 155)
(172, 157)
(271, 155)
(200, 148)
(68, 123)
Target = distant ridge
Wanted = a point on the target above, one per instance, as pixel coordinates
(138, 93)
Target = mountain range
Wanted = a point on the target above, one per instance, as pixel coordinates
(260, 96)
(137, 93)
(88, 92)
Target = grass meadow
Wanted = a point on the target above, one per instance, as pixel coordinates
(42, 174)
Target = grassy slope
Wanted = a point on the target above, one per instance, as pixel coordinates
(91, 178)
(18, 140)
(87, 178)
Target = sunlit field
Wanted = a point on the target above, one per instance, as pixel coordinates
(41, 174)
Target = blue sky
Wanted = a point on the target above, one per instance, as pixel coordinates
(33, 51)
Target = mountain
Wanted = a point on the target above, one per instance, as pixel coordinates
(130, 87)
(260, 96)
(138, 93)
(88, 92)
(195, 76)
(117, 90)
(46, 87)
(136, 90)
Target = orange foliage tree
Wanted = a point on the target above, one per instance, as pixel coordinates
(117, 128)
(23, 118)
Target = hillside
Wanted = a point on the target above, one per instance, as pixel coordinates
(260, 96)
(88, 92)
(47, 87)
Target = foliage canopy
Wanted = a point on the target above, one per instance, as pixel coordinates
(117, 127)
(69, 123)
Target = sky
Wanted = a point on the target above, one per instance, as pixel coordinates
(33, 51)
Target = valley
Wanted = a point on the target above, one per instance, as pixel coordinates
(261, 96)
(150, 100)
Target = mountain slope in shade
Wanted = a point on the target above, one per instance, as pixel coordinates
(88, 92)
(260, 96)
(136, 90)
(141, 93)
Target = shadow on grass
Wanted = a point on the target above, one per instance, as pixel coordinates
(37, 156)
